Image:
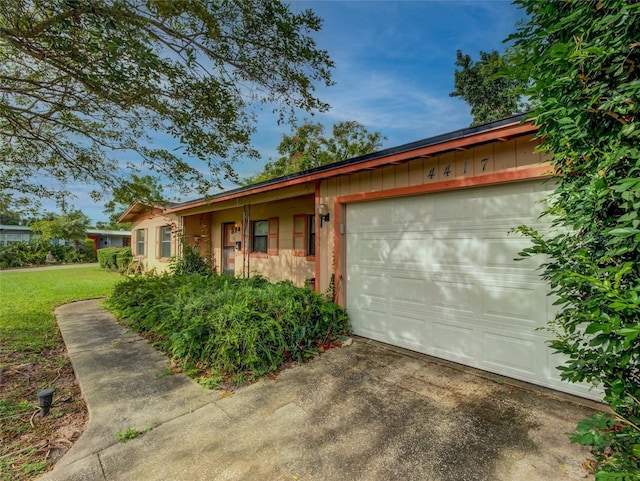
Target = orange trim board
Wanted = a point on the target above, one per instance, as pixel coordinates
(318, 256)
(339, 203)
(537, 172)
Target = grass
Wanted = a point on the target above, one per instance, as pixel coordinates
(33, 357)
(28, 298)
(131, 433)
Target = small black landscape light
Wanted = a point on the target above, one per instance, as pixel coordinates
(45, 399)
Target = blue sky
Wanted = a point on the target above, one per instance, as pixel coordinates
(394, 69)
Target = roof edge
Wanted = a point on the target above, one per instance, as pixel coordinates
(317, 172)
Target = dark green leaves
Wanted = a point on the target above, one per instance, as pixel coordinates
(487, 86)
(227, 328)
(583, 60)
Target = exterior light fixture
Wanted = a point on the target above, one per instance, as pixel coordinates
(197, 238)
(45, 399)
(323, 212)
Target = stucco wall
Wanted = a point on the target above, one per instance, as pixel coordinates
(151, 223)
(283, 265)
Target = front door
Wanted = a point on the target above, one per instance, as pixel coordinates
(228, 249)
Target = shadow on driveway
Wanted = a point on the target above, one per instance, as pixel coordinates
(364, 412)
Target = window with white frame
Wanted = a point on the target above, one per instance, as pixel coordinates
(165, 241)
(140, 241)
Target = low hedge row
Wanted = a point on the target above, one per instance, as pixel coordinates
(115, 258)
(228, 329)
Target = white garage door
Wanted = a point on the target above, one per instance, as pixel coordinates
(435, 273)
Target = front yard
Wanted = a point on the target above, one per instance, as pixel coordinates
(218, 329)
(32, 358)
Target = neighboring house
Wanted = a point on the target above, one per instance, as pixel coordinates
(11, 234)
(109, 238)
(415, 241)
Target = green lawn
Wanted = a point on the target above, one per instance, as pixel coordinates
(32, 357)
(28, 298)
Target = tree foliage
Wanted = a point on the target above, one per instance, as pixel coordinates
(309, 147)
(10, 217)
(83, 81)
(70, 226)
(584, 62)
(488, 86)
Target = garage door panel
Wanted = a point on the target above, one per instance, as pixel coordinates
(411, 213)
(453, 341)
(510, 354)
(373, 321)
(408, 291)
(457, 252)
(519, 304)
(408, 329)
(372, 251)
(454, 210)
(501, 252)
(456, 295)
(435, 273)
(506, 207)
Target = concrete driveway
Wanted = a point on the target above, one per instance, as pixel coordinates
(364, 412)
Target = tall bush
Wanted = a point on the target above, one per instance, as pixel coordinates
(115, 258)
(89, 250)
(191, 261)
(583, 61)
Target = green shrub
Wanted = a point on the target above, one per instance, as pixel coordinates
(114, 258)
(191, 261)
(231, 328)
(123, 258)
(581, 60)
(23, 254)
(16, 255)
(89, 250)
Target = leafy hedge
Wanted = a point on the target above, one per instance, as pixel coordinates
(228, 328)
(27, 254)
(115, 258)
(582, 60)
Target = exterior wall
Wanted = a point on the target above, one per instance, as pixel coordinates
(452, 165)
(276, 266)
(104, 239)
(151, 223)
(107, 238)
(284, 264)
(197, 232)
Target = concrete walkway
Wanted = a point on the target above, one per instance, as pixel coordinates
(364, 412)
